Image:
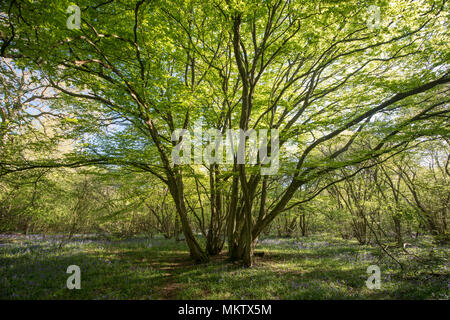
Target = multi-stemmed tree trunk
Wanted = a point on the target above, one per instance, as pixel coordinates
(303, 224)
(215, 235)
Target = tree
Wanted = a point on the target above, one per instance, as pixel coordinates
(316, 71)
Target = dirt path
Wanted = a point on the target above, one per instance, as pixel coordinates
(172, 285)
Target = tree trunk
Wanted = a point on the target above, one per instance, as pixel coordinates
(398, 230)
(214, 241)
(176, 189)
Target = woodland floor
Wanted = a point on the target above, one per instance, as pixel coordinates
(315, 267)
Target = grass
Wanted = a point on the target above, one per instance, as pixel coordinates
(316, 267)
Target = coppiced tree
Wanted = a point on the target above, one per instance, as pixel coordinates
(316, 71)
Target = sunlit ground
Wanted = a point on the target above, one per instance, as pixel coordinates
(316, 267)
